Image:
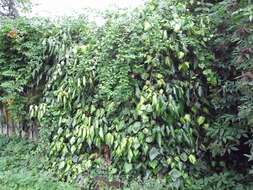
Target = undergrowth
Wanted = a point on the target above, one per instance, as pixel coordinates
(20, 167)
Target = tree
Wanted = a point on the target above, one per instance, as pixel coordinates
(12, 8)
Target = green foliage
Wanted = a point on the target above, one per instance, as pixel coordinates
(222, 181)
(165, 91)
(22, 64)
(231, 134)
(136, 86)
(21, 167)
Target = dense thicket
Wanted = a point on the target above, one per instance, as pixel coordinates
(231, 133)
(165, 91)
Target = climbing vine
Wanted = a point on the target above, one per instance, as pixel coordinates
(163, 91)
(131, 97)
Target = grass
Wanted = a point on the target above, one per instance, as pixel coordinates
(21, 168)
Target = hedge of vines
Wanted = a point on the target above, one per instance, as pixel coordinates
(164, 91)
(21, 61)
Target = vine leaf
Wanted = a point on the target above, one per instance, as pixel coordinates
(200, 120)
(128, 167)
(153, 153)
(136, 126)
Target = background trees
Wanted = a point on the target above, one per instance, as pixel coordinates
(12, 8)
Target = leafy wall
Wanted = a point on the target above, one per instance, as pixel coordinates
(156, 92)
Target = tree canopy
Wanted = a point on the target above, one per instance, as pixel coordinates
(12, 8)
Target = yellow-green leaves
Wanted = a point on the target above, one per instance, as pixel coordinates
(73, 149)
(72, 140)
(177, 27)
(87, 164)
(109, 138)
(201, 120)
(181, 55)
(130, 155)
(153, 5)
(211, 78)
(101, 133)
(147, 26)
(128, 167)
(153, 164)
(83, 48)
(184, 66)
(187, 118)
(62, 165)
(192, 159)
(136, 86)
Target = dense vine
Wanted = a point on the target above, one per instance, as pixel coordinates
(155, 92)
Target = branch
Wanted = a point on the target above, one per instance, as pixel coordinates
(248, 75)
